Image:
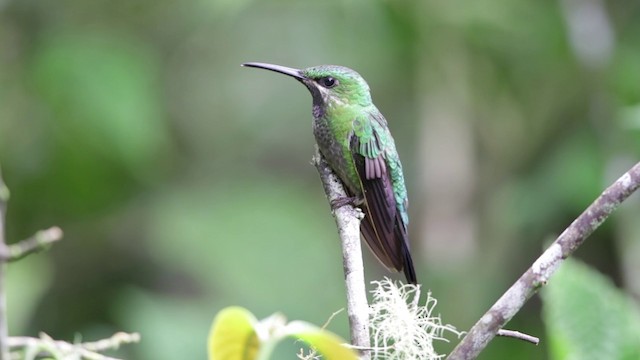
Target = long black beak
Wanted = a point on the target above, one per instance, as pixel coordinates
(297, 74)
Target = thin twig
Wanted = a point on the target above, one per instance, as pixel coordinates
(348, 223)
(112, 343)
(518, 335)
(4, 332)
(38, 242)
(538, 274)
(326, 323)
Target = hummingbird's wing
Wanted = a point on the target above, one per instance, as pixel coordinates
(384, 228)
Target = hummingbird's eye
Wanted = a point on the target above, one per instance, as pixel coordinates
(328, 82)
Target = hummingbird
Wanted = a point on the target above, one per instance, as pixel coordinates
(354, 138)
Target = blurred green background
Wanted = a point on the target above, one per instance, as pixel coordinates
(183, 184)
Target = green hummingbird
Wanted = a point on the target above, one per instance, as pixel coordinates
(354, 138)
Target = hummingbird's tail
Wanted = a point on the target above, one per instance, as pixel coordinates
(409, 271)
(392, 249)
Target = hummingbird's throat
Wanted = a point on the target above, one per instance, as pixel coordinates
(317, 111)
(319, 104)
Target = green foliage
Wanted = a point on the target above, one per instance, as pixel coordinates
(183, 182)
(233, 335)
(102, 90)
(157, 318)
(237, 335)
(626, 75)
(588, 318)
(26, 282)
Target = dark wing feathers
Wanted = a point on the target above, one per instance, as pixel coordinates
(382, 228)
(375, 226)
(409, 270)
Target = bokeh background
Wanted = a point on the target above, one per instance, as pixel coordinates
(183, 181)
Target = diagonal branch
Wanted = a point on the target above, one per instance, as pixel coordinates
(539, 273)
(348, 223)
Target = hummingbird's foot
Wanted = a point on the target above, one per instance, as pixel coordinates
(347, 200)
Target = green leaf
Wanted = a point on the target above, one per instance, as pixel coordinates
(237, 335)
(587, 317)
(233, 335)
(326, 343)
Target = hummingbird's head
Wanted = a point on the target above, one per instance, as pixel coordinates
(333, 84)
(330, 85)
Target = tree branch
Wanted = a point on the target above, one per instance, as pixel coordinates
(348, 223)
(542, 269)
(45, 345)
